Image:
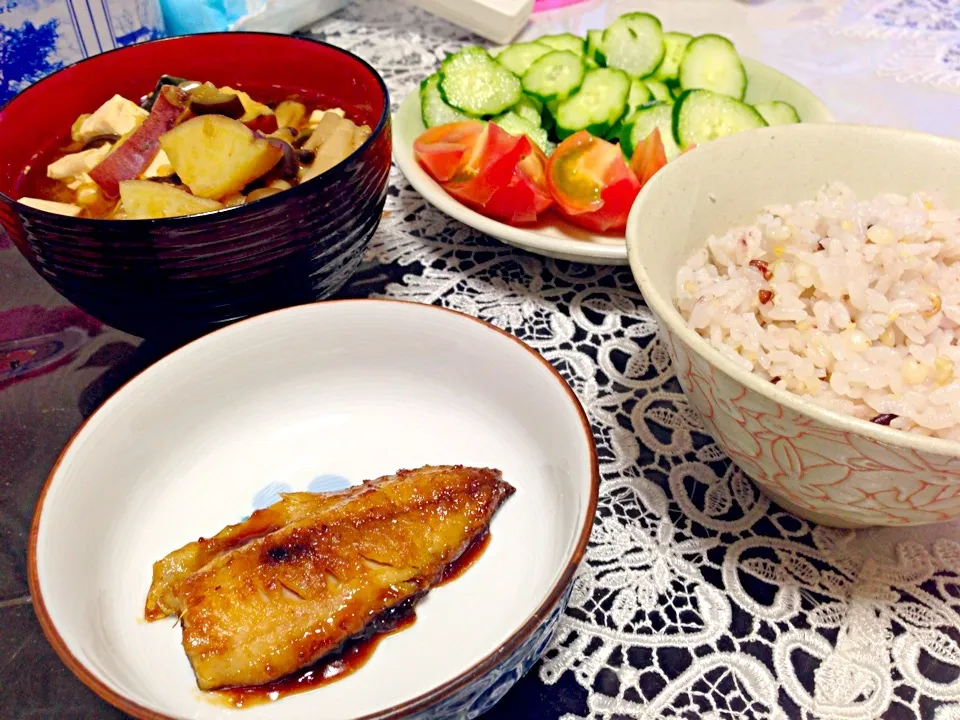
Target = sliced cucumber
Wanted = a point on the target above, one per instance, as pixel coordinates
(530, 109)
(563, 41)
(433, 109)
(475, 83)
(700, 116)
(658, 89)
(634, 43)
(594, 39)
(639, 95)
(777, 112)
(711, 62)
(674, 45)
(597, 106)
(644, 121)
(550, 118)
(556, 75)
(675, 91)
(517, 125)
(518, 58)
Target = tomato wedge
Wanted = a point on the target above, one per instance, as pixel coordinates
(526, 195)
(444, 149)
(487, 168)
(472, 160)
(649, 157)
(591, 182)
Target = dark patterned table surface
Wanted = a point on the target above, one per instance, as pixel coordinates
(672, 614)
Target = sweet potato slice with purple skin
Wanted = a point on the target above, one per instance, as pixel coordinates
(130, 157)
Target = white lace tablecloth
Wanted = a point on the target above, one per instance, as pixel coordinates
(697, 598)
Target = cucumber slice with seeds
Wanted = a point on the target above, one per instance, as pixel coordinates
(634, 44)
(644, 121)
(517, 125)
(700, 116)
(659, 90)
(597, 106)
(674, 46)
(530, 109)
(555, 76)
(777, 112)
(711, 62)
(563, 41)
(518, 58)
(473, 82)
(433, 109)
(594, 39)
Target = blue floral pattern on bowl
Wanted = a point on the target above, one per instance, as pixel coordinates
(270, 493)
(39, 37)
(322, 483)
(479, 696)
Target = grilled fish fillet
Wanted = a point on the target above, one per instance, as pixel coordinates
(289, 585)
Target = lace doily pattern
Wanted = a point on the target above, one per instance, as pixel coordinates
(929, 31)
(698, 598)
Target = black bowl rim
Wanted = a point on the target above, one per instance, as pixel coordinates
(186, 220)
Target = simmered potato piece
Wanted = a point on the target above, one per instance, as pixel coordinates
(143, 199)
(216, 156)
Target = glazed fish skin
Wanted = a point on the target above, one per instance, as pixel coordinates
(283, 600)
(172, 570)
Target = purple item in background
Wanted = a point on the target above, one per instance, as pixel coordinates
(544, 5)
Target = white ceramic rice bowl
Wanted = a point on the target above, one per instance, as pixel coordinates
(824, 466)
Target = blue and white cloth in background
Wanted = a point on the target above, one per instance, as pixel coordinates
(38, 37)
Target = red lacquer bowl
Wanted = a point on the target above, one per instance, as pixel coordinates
(182, 276)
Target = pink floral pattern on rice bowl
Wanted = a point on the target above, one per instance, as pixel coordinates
(825, 474)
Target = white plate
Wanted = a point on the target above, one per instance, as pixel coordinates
(354, 389)
(554, 237)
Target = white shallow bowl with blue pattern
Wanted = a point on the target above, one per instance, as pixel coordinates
(315, 397)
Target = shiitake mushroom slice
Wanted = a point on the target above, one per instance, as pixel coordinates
(99, 140)
(207, 100)
(146, 102)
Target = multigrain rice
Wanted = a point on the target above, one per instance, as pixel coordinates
(852, 304)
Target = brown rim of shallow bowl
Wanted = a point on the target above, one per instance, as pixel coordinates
(418, 703)
(260, 204)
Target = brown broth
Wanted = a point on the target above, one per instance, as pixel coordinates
(33, 180)
(353, 654)
(351, 657)
(466, 560)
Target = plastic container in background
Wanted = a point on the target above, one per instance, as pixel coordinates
(186, 17)
(42, 36)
